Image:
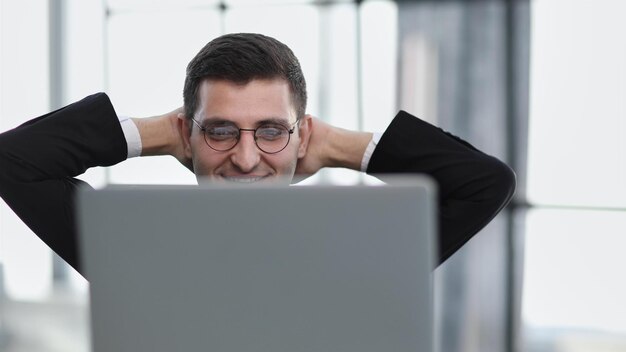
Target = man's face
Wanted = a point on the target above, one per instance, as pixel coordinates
(245, 106)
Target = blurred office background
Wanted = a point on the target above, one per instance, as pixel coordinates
(541, 84)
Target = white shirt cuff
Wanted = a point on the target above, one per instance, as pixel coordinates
(369, 151)
(131, 133)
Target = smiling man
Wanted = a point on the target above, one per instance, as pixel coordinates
(243, 121)
(220, 149)
(244, 117)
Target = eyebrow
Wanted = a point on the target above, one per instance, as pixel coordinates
(269, 120)
(275, 120)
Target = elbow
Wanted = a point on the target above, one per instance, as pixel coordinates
(503, 185)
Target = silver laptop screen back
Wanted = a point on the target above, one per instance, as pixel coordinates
(259, 269)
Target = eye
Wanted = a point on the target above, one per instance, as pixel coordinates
(271, 132)
(222, 132)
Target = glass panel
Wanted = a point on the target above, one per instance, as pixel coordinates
(84, 49)
(148, 54)
(36, 314)
(337, 65)
(83, 60)
(573, 281)
(338, 88)
(26, 261)
(24, 44)
(297, 26)
(143, 5)
(577, 105)
(379, 27)
(278, 2)
(470, 294)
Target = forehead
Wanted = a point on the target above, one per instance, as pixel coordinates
(247, 103)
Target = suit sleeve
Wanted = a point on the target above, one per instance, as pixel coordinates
(39, 160)
(473, 186)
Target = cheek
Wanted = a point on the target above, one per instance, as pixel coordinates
(205, 162)
(285, 162)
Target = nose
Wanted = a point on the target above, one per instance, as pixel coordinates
(246, 155)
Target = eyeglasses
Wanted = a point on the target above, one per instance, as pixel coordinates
(270, 138)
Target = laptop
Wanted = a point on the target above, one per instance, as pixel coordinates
(261, 268)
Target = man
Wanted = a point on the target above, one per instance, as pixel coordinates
(244, 121)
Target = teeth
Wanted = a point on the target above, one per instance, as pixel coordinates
(243, 179)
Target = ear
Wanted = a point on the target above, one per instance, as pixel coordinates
(305, 129)
(184, 129)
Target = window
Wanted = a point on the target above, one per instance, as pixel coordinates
(137, 52)
(573, 291)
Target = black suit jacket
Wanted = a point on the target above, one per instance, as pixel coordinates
(39, 160)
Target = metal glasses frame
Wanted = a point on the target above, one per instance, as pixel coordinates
(289, 131)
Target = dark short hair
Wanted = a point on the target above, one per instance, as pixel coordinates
(241, 58)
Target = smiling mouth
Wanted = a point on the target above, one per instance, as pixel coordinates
(243, 179)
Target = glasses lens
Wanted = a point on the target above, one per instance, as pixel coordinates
(272, 138)
(221, 137)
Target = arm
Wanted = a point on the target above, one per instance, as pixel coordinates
(39, 159)
(473, 187)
